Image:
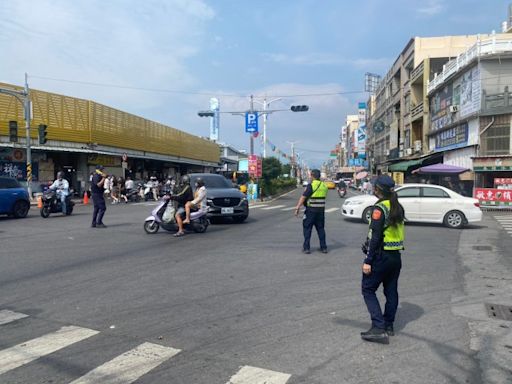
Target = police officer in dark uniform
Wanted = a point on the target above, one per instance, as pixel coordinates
(382, 263)
(97, 191)
(314, 216)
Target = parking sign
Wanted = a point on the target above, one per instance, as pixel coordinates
(251, 122)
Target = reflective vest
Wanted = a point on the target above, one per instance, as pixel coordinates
(317, 199)
(393, 235)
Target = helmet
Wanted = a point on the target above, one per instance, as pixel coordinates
(185, 179)
(384, 183)
(60, 175)
(199, 182)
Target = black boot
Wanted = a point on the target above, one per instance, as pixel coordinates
(377, 335)
(389, 330)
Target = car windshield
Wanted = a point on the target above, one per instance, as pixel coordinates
(214, 181)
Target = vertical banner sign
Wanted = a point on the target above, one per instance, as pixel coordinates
(361, 131)
(215, 119)
(255, 166)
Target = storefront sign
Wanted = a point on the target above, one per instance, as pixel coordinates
(18, 170)
(255, 166)
(105, 160)
(452, 138)
(503, 181)
(440, 103)
(493, 196)
(492, 164)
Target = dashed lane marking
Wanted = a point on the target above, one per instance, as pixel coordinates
(31, 350)
(7, 316)
(253, 375)
(273, 207)
(129, 366)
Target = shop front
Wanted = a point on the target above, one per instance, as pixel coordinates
(493, 180)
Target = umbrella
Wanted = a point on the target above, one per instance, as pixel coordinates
(361, 175)
(440, 169)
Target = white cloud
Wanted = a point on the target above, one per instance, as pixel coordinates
(327, 59)
(431, 8)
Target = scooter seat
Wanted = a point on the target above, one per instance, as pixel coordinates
(197, 214)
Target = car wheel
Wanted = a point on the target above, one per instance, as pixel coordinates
(151, 227)
(20, 209)
(454, 219)
(367, 214)
(240, 219)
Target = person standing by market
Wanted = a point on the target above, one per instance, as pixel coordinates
(313, 198)
(383, 263)
(98, 199)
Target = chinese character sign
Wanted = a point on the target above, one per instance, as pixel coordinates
(493, 195)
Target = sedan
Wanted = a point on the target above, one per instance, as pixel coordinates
(423, 203)
(14, 199)
(330, 184)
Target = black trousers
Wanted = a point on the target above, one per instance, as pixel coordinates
(314, 219)
(386, 271)
(99, 208)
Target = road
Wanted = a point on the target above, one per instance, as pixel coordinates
(236, 303)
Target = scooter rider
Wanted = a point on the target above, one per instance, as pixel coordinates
(199, 202)
(183, 195)
(61, 185)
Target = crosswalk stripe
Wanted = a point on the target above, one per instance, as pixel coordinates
(7, 316)
(331, 210)
(258, 206)
(273, 207)
(253, 375)
(129, 366)
(28, 351)
(288, 209)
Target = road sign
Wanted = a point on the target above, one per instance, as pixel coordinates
(251, 122)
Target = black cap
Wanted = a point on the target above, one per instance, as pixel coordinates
(99, 167)
(384, 182)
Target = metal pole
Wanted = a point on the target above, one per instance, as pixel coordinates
(251, 143)
(264, 128)
(26, 105)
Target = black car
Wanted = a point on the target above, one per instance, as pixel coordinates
(223, 199)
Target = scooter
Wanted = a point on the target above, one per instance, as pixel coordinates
(52, 203)
(198, 220)
(342, 190)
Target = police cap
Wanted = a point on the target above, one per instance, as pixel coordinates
(384, 183)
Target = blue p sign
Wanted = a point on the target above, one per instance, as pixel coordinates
(251, 122)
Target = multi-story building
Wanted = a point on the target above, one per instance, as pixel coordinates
(471, 116)
(83, 133)
(398, 117)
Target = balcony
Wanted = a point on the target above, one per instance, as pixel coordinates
(498, 103)
(417, 72)
(417, 112)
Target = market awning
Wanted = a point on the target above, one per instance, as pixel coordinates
(403, 166)
(440, 169)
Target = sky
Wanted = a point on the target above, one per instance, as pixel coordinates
(164, 59)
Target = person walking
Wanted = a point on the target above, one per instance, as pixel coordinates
(313, 198)
(98, 199)
(383, 263)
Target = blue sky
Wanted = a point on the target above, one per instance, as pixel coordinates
(227, 49)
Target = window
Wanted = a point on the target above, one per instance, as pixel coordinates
(408, 192)
(434, 192)
(6, 183)
(497, 140)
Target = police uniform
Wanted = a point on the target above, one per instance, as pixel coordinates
(314, 215)
(383, 254)
(98, 200)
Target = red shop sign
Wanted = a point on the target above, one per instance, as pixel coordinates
(492, 194)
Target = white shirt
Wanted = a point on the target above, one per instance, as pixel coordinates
(129, 184)
(200, 198)
(61, 186)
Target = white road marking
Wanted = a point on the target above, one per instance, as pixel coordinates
(288, 209)
(253, 375)
(7, 316)
(331, 210)
(258, 206)
(31, 350)
(129, 366)
(273, 207)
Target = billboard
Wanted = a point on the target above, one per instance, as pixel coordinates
(215, 119)
(361, 131)
(470, 92)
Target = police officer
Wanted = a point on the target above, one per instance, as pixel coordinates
(313, 199)
(97, 191)
(382, 263)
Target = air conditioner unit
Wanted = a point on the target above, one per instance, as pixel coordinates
(408, 151)
(417, 145)
(387, 153)
(454, 108)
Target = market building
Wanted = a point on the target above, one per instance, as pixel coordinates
(82, 133)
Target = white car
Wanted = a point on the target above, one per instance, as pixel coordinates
(423, 203)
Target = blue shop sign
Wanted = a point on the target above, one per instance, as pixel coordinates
(454, 137)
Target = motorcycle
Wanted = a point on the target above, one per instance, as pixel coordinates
(52, 204)
(133, 195)
(198, 220)
(342, 190)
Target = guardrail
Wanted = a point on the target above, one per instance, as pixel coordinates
(479, 49)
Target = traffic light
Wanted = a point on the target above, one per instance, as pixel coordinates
(205, 113)
(299, 108)
(13, 131)
(42, 134)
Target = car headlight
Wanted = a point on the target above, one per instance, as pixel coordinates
(209, 201)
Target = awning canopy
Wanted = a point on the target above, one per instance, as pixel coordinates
(403, 166)
(361, 175)
(440, 169)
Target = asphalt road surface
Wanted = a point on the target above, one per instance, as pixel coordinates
(238, 304)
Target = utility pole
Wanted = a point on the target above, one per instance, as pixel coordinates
(265, 105)
(251, 135)
(24, 98)
(292, 143)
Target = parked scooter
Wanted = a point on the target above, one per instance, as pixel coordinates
(133, 195)
(52, 204)
(198, 220)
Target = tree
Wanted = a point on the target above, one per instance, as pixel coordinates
(272, 168)
(287, 169)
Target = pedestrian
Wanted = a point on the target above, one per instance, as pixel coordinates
(98, 199)
(114, 193)
(383, 263)
(122, 190)
(366, 187)
(313, 198)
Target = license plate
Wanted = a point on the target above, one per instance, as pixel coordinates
(226, 211)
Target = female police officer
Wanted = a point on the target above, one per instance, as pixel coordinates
(383, 263)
